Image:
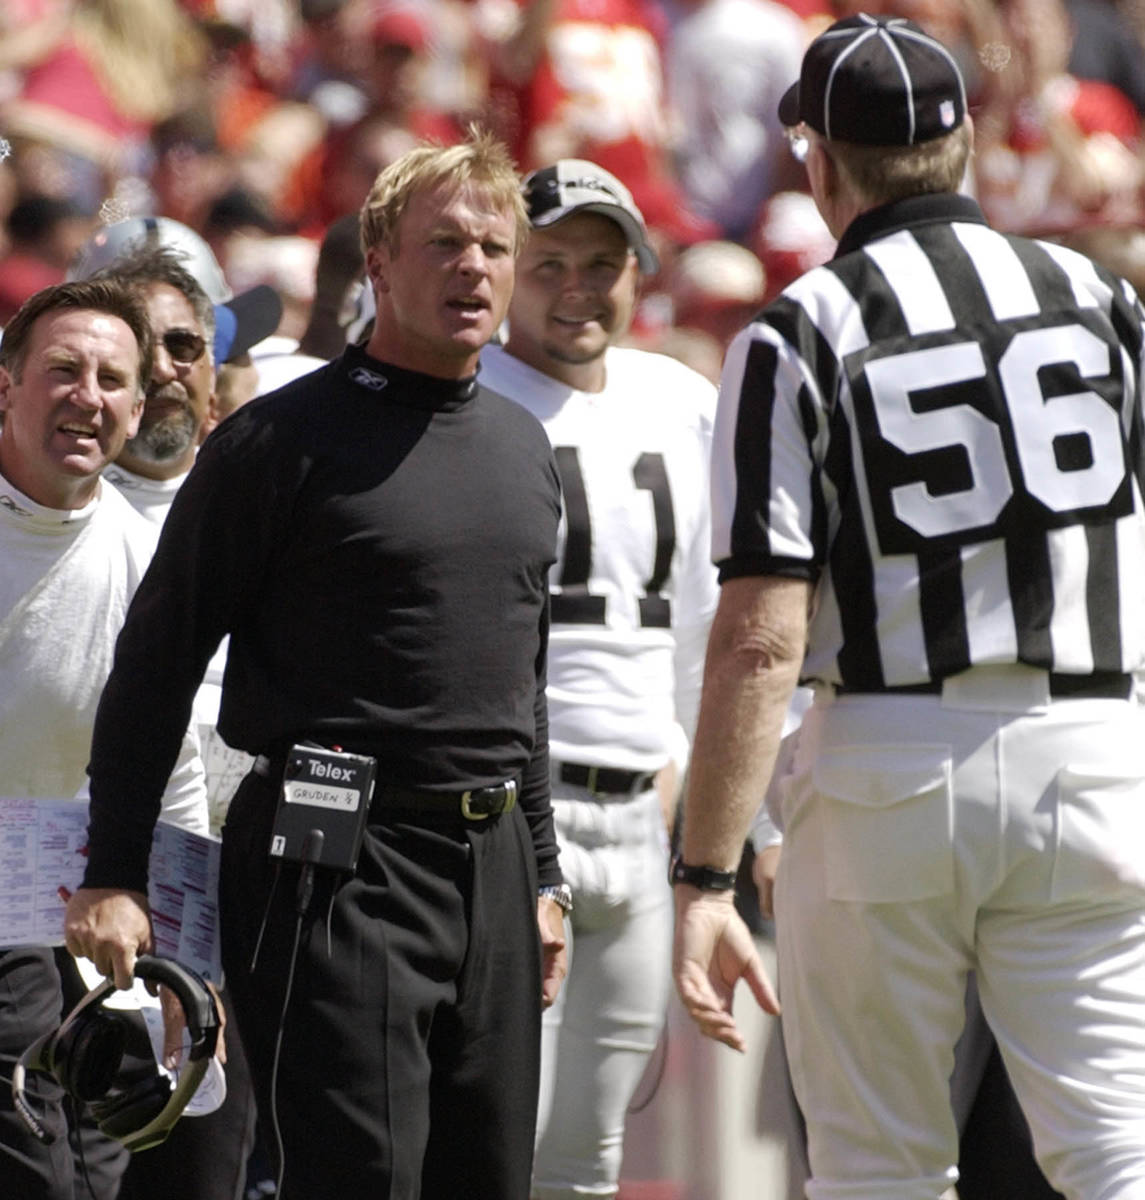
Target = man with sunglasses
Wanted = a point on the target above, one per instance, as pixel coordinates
(192, 337)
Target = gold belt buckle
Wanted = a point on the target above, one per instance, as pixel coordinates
(471, 814)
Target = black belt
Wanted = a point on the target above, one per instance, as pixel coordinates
(606, 781)
(473, 804)
(1103, 685)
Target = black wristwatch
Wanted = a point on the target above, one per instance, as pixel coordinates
(707, 879)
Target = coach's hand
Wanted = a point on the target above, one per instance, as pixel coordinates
(110, 926)
(713, 951)
(554, 964)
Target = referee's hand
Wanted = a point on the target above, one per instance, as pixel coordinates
(713, 951)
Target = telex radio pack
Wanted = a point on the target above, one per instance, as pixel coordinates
(326, 793)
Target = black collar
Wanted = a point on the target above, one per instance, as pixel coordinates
(410, 388)
(911, 211)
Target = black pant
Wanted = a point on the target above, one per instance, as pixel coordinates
(38, 987)
(410, 1049)
(30, 1005)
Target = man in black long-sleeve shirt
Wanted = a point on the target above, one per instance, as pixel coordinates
(375, 538)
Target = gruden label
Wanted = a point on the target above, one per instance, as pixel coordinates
(321, 795)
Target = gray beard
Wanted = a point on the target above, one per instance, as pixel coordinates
(164, 439)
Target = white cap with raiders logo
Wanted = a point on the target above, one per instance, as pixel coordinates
(576, 185)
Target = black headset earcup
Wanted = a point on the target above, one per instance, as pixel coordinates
(86, 1056)
(97, 1056)
(121, 1114)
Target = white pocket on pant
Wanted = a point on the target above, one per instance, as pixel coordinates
(887, 821)
(1100, 831)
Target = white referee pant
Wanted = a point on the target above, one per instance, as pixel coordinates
(597, 1038)
(927, 836)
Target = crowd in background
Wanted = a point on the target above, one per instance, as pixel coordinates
(259, 124)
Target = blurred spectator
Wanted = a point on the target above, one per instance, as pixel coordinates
(694, 349)
(729, 61)
(334, 178)
(273, 150)
(1133, 12)
(1120, 250)
(790, 239)
(288, 264)
(339, 268)
(330, 59)
(190, 169)
(236, 384)
(261, 134)
(585, 79)
(107, 74)
(237, 215)
(399, 40)
(1106, 48)
(271, 28)
(1054, 152)
(456, 73)
(44, 233)
(717, 287)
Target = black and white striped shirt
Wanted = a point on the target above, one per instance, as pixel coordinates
(942, 428)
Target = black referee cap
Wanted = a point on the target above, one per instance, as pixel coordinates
(879, 81)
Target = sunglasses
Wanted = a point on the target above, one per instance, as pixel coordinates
(184, 345)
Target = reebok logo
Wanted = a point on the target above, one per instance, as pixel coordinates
(366, 378)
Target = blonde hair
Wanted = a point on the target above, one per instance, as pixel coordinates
(880, 174)
(480, 161)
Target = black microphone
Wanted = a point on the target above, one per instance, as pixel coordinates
(311, 853)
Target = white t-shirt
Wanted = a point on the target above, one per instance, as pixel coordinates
(66, 579)
(151, 498)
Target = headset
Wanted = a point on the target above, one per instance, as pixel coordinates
(84, 1056)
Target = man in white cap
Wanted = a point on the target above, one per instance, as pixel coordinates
(927, 503)
(633, 592)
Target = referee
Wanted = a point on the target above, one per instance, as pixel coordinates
(927, 504)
